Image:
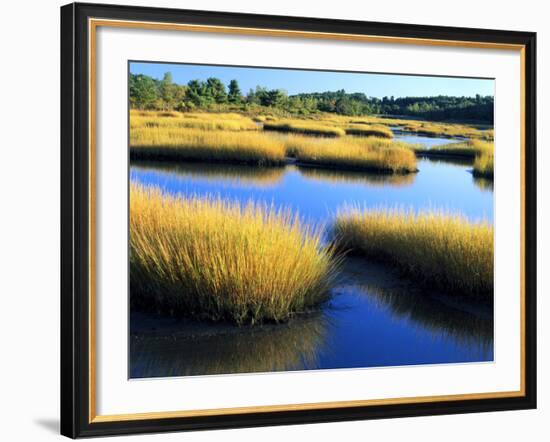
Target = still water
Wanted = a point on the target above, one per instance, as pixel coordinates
(427, 142)
(375, 318)
(316, 194)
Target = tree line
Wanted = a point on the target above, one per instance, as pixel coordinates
(150, 93)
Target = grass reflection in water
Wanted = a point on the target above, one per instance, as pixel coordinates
(231, 174)
(168, 347)
(355, 177)
(465, 322)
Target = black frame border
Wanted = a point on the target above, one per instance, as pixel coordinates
(75, 219)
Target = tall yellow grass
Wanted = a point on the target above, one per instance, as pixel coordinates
(416, 126)
(304, 127)
(217, 260)
(484, 165)
(375, 154)
(466, 149)
(167, 141)
(488, 135)
(204, 121)
(263, 118)
(148, 113)
(193, 144)
(444, 130)
(365, 130)
(442, 250)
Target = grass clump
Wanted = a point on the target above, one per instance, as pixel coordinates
(304, 127)
(445, 130)
(217, 260)
(264, 118)
(441, 250)
(487, 135)
(170, 114)
(370, 154)
(468, 149)
(204, 121)
(369, 130)
(420, 127)
(199, 145)
(484, 165)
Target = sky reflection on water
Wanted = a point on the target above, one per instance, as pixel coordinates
(374, 319)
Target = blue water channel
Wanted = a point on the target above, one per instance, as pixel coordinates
(375, 317)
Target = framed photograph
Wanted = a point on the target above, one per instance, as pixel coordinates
(274, 220)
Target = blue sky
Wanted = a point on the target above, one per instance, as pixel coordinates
(296, 81)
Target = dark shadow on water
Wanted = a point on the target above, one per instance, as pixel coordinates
(245, 175)
(355, 177)
(171, 347)
(485, 184)
(369, 301)
(233, 174)
(464, 320)
(375, 318)
(449, 160)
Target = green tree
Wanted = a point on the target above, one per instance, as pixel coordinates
(149, 93)
(252, 98)
(273, 97)
(168, 91)
(345, 106)
(216, 90)
(234, 95)
(262, 95)
(277, 97)
(180, 97)
(197, 93)
(143, 91)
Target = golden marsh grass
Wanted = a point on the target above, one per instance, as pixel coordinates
(441, 250)
(203, 121)
(487, 135)
(420, 127)
(168, 141)
(199, 145)
(217, 260)
(374, 154)
(466, 149)
(484, 165)
(482, 152)
(235, 138)
(263, 118)
(430, 129)
(304, 127)
(365, 130)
